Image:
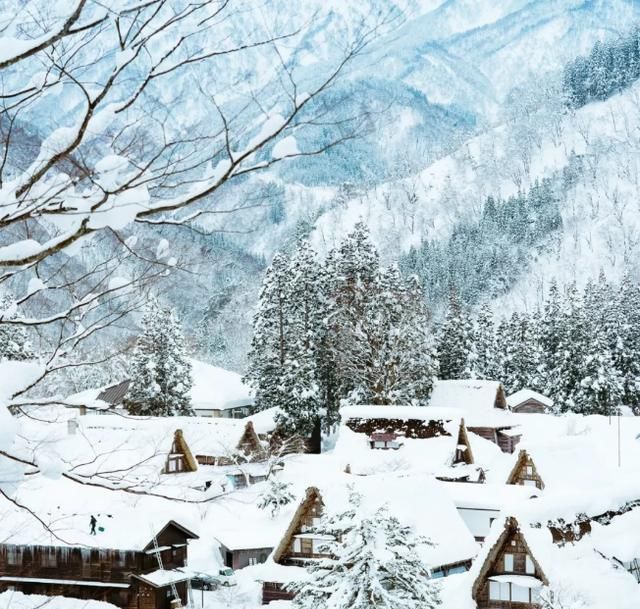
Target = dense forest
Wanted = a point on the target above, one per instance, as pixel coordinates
(609, 68)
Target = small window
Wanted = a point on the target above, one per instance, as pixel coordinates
(508, 563)
(530, 568)
(253, 561)
(529, 470)
(499, 591)
(494, 591)
(519, 594)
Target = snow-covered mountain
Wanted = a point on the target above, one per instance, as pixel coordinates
(461, 100)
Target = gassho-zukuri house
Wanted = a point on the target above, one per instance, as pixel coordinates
(417, 501)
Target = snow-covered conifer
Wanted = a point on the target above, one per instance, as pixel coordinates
(269, 350)
(374, 563)
(455, 341)
(160, 370)
(484, 364)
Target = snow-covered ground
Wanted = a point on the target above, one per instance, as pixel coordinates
(590, 465)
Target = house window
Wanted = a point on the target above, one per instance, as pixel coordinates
(529, 470)
(508, 563)
(498, 591)
(529, 483)
(253, 561)
(48, 558)
(530, 568)
(306, 546)
(503, 591)
(174, 465)
(296, 545)
(519, 594)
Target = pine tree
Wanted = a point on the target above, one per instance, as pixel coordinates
(520, 359)
(374, 564)
(300, 398)
(551, 335)
(14, 342)
(455, 341)
(160, 371)
(484, 361)
(395, 362)
(627, 352)
(275, 496)
(600, 389)
(269, 348)
(352, 273)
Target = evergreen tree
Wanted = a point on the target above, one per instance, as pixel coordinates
(160, 370)
(455, 341)
(551, 332)
(14, 342)
(600, 389)
(275, 496)
(300, 398)
(521, 357)
(352, 273)
(484, 360)
(395, 362)
(374, 564)
(627, 353)
(269, 349)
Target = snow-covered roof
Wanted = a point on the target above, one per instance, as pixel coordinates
(431, 456)
(494, 417)
(17, 600)
(580, 462)
(164, 577)
(264, 421)
(466, 394)
(575, 571)
(126, 451)
(528, 394)
(217, 388)
(119, 527)
(619, 539)
(418, 501)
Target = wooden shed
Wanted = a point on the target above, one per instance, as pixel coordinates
(529, 401)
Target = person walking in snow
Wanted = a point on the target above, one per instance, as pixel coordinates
(93, 522)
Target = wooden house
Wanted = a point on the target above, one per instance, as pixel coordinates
(510, 576)
(525, 563)
(297, 545)
(529, 401)
(417, 501)
(180, 458)
(525, 472)
(129, 569)
(462, 454)
(240, 555)
(226, 443)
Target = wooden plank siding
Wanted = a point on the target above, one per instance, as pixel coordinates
(94, 573)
